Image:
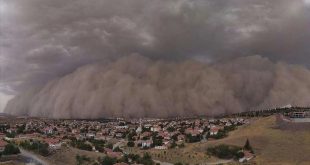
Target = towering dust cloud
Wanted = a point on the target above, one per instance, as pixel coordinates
(135, 86)
(158, 58)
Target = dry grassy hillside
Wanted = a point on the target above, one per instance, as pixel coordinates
(272, 145)
(67, 156)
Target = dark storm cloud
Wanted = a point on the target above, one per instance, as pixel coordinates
(42, 40)
(43, 35)
(135, 86)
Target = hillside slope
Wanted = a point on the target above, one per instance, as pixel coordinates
(272, 144)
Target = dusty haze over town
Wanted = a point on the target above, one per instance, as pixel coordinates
(159, 58)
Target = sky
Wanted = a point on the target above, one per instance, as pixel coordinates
(44, 40)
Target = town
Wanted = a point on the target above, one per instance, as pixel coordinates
(133, 141)
(45, 136)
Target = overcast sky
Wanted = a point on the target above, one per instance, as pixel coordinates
(41, 40)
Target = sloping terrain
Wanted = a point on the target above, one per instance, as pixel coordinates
(272, 144)
(67, 156)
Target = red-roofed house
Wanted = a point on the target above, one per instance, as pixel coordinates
(214, 130)
(53, 142)
(247, 156)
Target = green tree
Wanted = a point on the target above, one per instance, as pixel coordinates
(130, 144)
(239, 155)
(10, 135)
(10, 149)
(224, 151)
(170, 129)
(117, 149)
(108, 161)
(146, 159)
(81, 159)
(21, 129)
(109, 145)
(173, 144)
(182, 145)
(247, 146)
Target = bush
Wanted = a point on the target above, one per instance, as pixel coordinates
(81, 159)
(81, 145)
(221, 134)
(36, 146)
(99, 144)
(230, 128)
(178, 163)
(10, 135)
(239, 155)
(84, 146)
(21, 129)
(157, 141)
(109, 145)
(182, 145)
(170, 129)
(108, 161)
(146, 159)
(224, 151)
(11, 149)
(130, 144)
(173, 144)
(130, 135)
(193, 139)
(117, 149)
(247, 146)
(133, 157)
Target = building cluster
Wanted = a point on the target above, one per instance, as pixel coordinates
(143, 133)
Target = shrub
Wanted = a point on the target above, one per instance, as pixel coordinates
(10, 149)
(146, 159)
(10, 135)
(81, 159)
(193, 139)
(108, 160)
(109, 145)
(84, 146)
(178, 163)
(173, 144)
(239, 155)
(224, 151)
(81, 145)
(247, 146)
(36, 146)
(130, 144)
(182, 145)
(117, 149)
